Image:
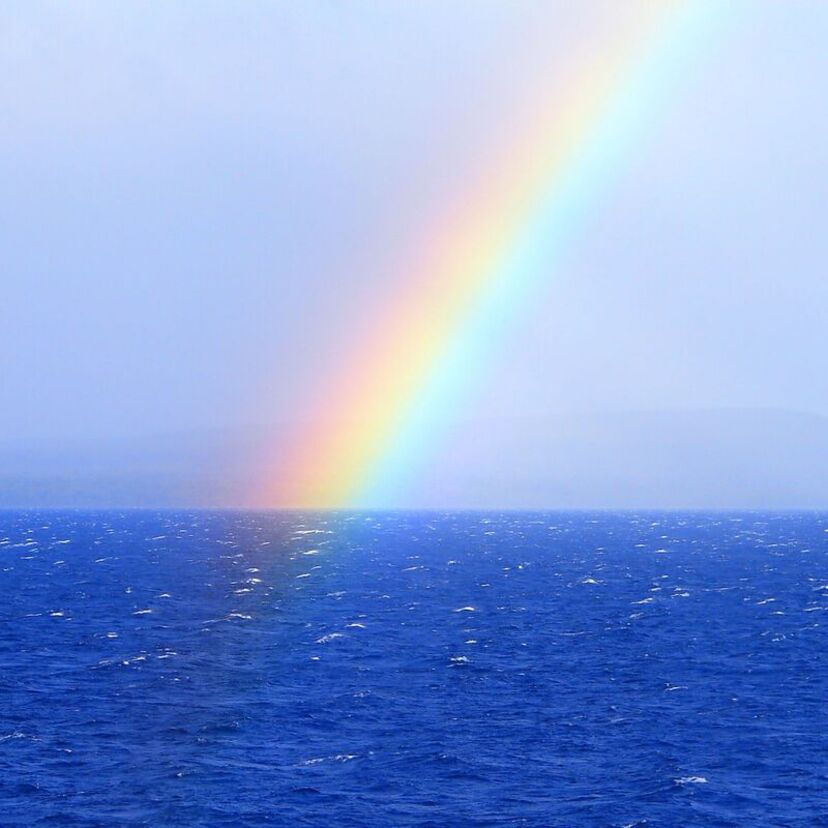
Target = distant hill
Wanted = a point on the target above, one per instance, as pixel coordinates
(722, 459)
(732, 458)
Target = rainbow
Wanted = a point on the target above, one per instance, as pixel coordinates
(483, 267)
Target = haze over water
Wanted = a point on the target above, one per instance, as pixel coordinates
(207, 209)
(532, 669)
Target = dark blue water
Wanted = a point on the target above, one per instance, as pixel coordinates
(224, 669)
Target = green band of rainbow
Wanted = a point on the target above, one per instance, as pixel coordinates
(481, 276)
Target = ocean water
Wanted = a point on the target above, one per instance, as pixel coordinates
(498, 669)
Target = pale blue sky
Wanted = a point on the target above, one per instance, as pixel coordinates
(199, 198)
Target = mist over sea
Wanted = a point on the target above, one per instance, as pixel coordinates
(413, 669)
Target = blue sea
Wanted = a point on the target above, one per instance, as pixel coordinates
(413, 669)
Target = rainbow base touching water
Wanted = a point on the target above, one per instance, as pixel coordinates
(481, 271)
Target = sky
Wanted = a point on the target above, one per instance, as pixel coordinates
(205, 203)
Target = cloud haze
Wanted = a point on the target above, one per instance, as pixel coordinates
(203, 201)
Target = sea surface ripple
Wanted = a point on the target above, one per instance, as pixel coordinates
(413, 669)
